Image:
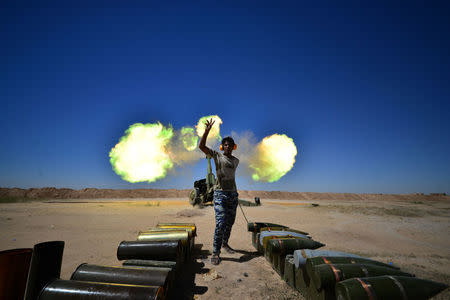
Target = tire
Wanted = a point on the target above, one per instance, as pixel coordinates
(193, 197)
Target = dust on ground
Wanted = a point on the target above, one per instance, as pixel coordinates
(412, 233)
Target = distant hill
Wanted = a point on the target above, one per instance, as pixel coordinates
(92, 193)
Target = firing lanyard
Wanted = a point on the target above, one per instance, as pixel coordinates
(243, 212)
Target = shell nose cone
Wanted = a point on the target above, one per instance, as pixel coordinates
(320, 244)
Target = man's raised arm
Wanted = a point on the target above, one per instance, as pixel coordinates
(202, 145)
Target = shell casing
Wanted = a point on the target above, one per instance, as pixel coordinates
(189, 230)
(60, 289)
(151, 250)
(172, 230)
(124, 275)
(45, 266)
(181, 235)
(14, 265)
(150, 263)
(165, 236)
(179, 225)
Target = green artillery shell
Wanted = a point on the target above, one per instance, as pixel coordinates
(300, 256)
(287, 246)
(255, 241)
(326, 276)
(256, 226)
(268, 252)
(315, 261)
(276, 262)
(271, 237)
(325, 294)
(279, 262)
(289, 270)
(282, 229)
(301, 283)
(388, 287)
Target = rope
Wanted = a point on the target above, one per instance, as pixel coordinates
(243, 212)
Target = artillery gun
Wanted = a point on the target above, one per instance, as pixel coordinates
(203, 191)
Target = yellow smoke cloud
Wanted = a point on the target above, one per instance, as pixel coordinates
(273, 157)
(182, 148)
(188, 138)
(215, 130)
(147, 152)
(141, 154)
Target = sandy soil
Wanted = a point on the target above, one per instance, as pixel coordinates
(413, 234)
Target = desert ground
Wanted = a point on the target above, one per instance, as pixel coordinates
(411, 231)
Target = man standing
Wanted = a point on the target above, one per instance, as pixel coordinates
(225, 192)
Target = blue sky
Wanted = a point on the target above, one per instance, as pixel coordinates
(363, 90)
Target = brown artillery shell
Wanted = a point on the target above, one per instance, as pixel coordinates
(45, 266)
(124, 275)
(152, 250)
(326, 276)
(70, 289)
(14, 265)
(388, 287)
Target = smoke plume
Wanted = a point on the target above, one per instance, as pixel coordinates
(147, 152)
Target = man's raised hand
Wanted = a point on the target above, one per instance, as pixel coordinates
(209, 124)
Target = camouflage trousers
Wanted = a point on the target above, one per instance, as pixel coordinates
(225, 204)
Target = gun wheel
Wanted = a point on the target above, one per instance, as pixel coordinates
(193, 197)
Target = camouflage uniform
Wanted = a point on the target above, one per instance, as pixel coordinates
(225, 204)
(225, 198)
